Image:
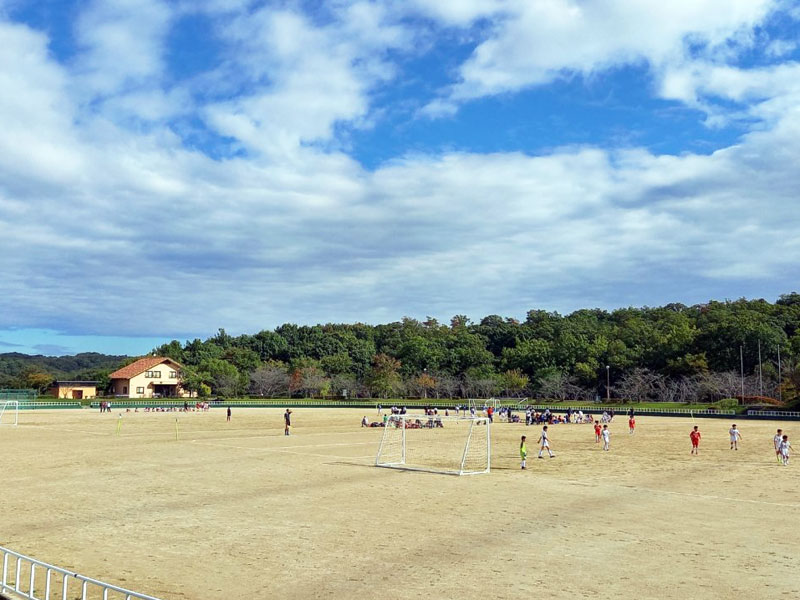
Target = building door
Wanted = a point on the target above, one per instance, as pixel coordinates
(77, 394)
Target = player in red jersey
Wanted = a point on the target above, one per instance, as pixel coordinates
(597, 430)
(695, 437)
(631, 425)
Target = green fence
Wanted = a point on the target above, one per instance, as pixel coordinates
(18, 394)
(48, 405)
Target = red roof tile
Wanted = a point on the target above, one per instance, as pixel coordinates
(140, 366)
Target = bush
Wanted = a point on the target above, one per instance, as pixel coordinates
(727, 403)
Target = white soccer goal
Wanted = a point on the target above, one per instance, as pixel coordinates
(481, 404)
(437, 444)
(9, 412)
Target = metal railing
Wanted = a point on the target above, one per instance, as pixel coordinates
(787, 414)
(622, 410)
(19, 579)
(48, 405)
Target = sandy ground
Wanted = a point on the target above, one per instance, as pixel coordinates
(238, 510)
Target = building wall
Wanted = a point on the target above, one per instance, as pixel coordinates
(143, 386)
(65, 391)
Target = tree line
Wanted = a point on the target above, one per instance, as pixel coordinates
(668, 353)
(673, 353)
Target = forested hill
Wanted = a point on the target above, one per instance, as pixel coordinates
(16, 367)
(673, 352)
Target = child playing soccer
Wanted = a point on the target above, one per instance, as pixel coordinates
(597, 431)
(776, 440)
(287, 421)
(523, 451)
(606, 437)
(631, 425)
(785, 447)
(545, 441)
(736, 436)
(695, 437)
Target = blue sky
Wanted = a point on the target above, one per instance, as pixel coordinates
(170, 168)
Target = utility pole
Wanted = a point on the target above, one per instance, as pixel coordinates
(608, 383)
(760, 379)
(741, 361)
(780, 378)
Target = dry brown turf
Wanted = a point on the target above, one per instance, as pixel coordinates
(238, 510)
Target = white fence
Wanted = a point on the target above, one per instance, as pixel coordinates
(621, 410)
(26, 577)
(774, 413)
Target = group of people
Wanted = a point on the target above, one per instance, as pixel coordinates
(534, 417)
(780, 442)
(544, 444)
(547, 418)
(602, 434)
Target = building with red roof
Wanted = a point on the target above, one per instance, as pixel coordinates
(149, 377)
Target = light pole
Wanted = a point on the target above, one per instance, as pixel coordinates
(741, 362)
(780, 380)
(608, 383)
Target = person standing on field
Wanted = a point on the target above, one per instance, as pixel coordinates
(523, 451)
(544, 440)
(777, 443)
(631, 425)
(229, 414)
(695, 437)
(597, 431)
(785, 447)
(736, 437)
(606, 437)
(287, 421)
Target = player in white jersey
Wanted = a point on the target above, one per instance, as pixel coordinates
(544, 440)
(606, 434)
(776, 440)
(785, 448)
(736, 437)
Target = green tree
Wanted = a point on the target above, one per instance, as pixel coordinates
(173, 350)
(384, 378)
(514, 382)
(222, 376)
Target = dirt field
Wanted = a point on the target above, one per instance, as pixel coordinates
(238, 510)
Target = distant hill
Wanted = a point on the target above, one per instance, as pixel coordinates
(87, 365)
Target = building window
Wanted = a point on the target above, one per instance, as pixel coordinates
(153, 374)
(140, 390)
(173, 374)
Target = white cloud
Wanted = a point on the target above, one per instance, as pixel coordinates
(120, 224)
(765, 94)
(121, 45)
(458, 13)
(533, 43)
(36, 112)
(304, 79)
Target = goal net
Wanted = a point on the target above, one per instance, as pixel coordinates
(437, 444)
(9, 412)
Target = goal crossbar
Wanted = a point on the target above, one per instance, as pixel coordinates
(436, 444)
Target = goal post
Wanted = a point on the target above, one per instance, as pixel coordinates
(9, 412)
(436, 444)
